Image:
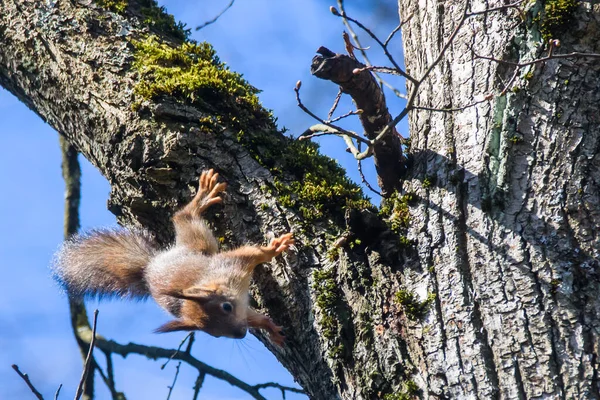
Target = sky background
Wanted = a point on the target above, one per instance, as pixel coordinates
(272, 44)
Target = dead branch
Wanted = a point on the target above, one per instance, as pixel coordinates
(28, 382)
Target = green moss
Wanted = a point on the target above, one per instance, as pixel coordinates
(413, 308)
(156, 17)
(409, 392)
(554, 284)
(556, 18)
(395, 210)
(118, 6)
(327, 300)
(193, 74)
(429, 181)
(319, 187)
(515, 139)
(528, 76)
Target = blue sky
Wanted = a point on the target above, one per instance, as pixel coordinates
(272, 44)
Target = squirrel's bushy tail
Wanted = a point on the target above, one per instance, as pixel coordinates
(105, 262)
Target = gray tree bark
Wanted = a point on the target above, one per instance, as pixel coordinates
(505, 237)
(509, 231)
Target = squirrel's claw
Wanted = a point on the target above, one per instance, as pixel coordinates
(282, 243)
(209, 190)
(275, 333)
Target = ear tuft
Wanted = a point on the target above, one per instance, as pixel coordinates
(176, 325)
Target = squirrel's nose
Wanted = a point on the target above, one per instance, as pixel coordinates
(240, 332)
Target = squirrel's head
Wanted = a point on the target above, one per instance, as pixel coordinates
(211, 309)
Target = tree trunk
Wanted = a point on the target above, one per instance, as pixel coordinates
(504, 232)
(508, 231)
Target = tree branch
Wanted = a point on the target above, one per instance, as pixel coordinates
(28, 382)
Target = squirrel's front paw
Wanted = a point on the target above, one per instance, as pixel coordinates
(275, 333)
(281, 244)
(209, 190)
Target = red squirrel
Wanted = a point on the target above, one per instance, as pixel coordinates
(204, 289)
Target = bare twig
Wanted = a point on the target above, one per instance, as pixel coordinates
(364, 179)
(335, 104)
(154, 353)
(212, 21)
(383, 70)
(280, 387)
(382, 82)
(345, 17)
(335, 130)
(174, 380)
(28, 382)
(574, 54)
(57, 392)
(188, 349)
(189, 335)
(198, 385)
(516, 5)
(348, 114)
(88, 360)
(473, 104)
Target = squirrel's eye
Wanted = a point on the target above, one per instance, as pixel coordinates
(227, 307)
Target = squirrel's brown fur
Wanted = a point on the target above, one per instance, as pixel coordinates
(205, 290)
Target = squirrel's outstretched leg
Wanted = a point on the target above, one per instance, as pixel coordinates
(258, 320)
(191, 230)
(251, 256)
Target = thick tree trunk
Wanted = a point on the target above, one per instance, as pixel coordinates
(509, 229)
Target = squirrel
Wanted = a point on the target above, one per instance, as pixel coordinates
(202, 288)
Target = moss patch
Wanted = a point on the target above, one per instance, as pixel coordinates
(306, 180)
(409, 391)
(556, 18)
(118, 6)
(193, 74)
(413, 308)
(395, 210)
(155, 17)
(329, 302)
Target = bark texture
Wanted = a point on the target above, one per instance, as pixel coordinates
(509, 227)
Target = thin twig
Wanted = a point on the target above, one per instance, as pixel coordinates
(345, 16)
(348, 114)
(57, 392)
(364, 179)
(28, 382)
(396, 29)
(473, 104)
(154, 353)
(174, 380)
(381, 81)
(383, 70)
(278, 386)
(335, 103)
(575, 54)
(189, 335)
(188, 349)
(335, 129)
(88, 359)
(499, 8)
(198, 385)
(212, 21)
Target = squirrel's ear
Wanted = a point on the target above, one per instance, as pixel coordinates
(197, 293)
(175, 325)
